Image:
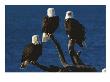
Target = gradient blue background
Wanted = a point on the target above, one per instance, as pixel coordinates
(21, 22)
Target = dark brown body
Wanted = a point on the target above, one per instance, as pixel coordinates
(31, 53)
(50, 24)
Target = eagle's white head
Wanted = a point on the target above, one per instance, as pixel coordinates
(35, 39)
(69, 14)
(50, 12)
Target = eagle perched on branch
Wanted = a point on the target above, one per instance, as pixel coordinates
(31, 52)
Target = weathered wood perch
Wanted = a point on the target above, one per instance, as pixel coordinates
(52, 68)
(66, 67)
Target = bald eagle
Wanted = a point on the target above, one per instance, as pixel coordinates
(76, 35)
(50, 22)
(31, 52)
(74, 29)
